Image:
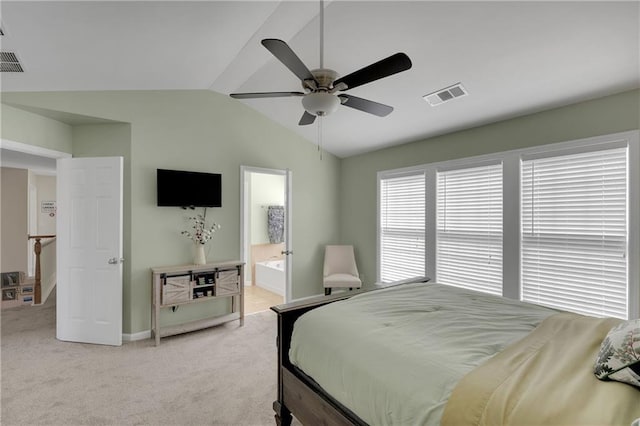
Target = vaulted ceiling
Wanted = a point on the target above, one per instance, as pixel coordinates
(513, 58)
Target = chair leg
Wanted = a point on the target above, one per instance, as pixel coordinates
(327, 291)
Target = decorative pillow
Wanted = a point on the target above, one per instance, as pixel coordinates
(619, 357)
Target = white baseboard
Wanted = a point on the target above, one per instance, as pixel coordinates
(142, 335)
(51, 284)
(132, 337)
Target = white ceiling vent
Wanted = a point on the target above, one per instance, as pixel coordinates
(443, 95)
(9, 62)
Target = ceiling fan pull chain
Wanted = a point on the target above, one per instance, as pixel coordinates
(320, 119)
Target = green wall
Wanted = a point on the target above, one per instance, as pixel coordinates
(33, 129)
(209, 132)
(358, 196)
(333, 200)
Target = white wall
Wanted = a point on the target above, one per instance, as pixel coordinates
(14, 183)
(266, 190)
(46, 186)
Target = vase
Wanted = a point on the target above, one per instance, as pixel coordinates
(199, 255)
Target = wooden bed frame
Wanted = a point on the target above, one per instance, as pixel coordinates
(297, 392)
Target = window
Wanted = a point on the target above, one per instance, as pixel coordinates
(574, 232)
(402, 225)
(469, 228)
(555, 224)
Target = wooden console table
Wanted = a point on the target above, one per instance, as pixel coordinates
(180, 285)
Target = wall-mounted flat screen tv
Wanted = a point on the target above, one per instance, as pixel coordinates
(178, 188)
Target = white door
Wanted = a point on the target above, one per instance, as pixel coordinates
(89, 250)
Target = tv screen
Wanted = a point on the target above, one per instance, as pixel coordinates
(178, 188)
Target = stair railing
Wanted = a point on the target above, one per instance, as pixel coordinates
(37, 248)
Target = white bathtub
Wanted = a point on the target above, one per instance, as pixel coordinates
(270, 275)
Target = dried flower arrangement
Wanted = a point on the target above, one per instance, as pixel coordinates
(201, 233)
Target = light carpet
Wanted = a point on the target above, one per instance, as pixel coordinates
(225, 375)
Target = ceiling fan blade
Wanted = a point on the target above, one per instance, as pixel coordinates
(383, 68)
(283, 52)
(306, 119)
(375, 108)
(265, 95)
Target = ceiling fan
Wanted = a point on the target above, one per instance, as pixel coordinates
(321, 86)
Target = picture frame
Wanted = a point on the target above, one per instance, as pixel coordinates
(10, 279)
(9, 294)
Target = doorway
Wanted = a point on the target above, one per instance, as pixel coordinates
(33, 176)
(266, 237)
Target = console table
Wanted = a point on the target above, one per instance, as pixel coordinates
(185, 284)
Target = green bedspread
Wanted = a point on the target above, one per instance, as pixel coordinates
(393, 356)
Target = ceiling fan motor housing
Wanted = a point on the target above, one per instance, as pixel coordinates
(325, 77)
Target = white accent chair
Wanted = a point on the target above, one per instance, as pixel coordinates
(340, 270)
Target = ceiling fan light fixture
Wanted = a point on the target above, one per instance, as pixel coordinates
(320, 103)
(321, 84)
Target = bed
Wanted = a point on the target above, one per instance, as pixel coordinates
(429, 354)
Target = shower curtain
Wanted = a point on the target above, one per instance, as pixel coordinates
(275, 224)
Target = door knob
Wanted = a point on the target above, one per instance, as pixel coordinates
(115, 261)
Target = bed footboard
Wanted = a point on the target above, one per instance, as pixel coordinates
(298, 393)
(294, 395)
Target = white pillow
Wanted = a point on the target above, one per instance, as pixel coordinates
(619, 356)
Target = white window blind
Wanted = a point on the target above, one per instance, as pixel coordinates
(402, 223)
(574, 232)
(469, 228)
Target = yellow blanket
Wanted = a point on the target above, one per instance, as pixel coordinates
(545, 379)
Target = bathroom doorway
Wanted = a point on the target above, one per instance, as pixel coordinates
(266, 237)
